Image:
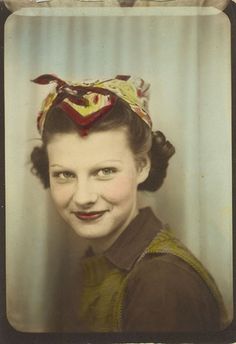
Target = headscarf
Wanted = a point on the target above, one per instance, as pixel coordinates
(87, 101)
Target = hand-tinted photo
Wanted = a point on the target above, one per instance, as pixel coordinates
(118, 164)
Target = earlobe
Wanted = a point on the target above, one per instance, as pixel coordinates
(144, 165)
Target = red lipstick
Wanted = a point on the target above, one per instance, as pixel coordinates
(88, 216)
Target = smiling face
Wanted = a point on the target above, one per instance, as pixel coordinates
(93, 182)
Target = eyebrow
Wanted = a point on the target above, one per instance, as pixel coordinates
(56, 165)
(99, 163)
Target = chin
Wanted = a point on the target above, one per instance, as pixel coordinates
(91, 228)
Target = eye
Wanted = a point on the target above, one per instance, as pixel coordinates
(106, 172)
(63, 175)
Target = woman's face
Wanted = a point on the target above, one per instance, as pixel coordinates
(93, 182)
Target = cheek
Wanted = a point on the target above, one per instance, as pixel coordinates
(120, 189)
(61, 194)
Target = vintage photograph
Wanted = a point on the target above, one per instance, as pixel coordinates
(118, 169)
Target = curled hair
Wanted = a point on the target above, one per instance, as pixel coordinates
(40, 166)
(160, 153)
(139, 135)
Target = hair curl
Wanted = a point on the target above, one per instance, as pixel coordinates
(140, 138)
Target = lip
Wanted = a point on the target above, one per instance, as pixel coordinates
(89, 216)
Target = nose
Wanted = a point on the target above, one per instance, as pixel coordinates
(85, 193)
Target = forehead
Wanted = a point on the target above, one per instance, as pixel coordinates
(93, 148)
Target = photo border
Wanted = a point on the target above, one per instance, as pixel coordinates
(10, 335)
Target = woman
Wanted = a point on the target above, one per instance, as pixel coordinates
(97, 150)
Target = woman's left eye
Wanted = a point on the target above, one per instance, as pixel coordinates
(106, 172)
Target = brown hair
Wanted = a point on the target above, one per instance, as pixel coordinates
(139, 136)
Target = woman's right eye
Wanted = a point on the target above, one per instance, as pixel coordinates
(63, 175)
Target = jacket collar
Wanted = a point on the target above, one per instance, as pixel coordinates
(133, 241)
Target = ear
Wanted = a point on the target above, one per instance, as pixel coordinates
(143, 167)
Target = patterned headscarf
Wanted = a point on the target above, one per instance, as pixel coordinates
(86, 102)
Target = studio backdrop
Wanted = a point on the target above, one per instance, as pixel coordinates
(184, 53)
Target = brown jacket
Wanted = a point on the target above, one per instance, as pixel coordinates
(163, 292)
